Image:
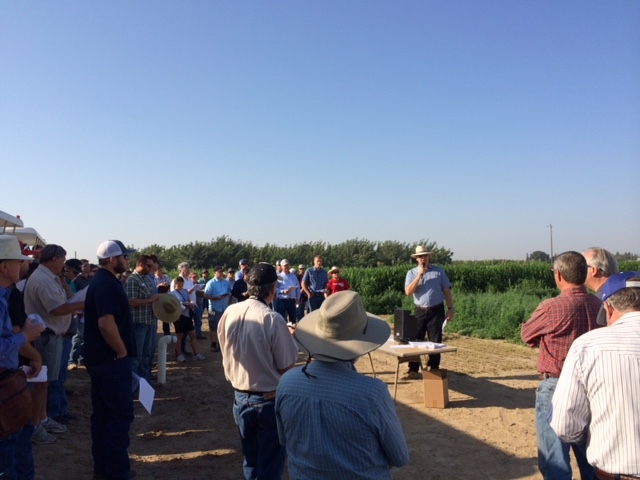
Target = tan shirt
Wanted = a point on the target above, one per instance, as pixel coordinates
(43, 293)
(255, 343)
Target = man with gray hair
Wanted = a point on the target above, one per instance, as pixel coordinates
(596, 400)
(44, 295)
(600, 266)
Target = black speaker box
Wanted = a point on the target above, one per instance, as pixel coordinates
(405, 326)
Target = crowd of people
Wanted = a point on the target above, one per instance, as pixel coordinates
(58, 314)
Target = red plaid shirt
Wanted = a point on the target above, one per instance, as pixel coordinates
(556, 323)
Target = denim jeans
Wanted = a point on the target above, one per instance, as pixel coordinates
(57, 403)
(315, 302)
(256, 421)
(112, 402)
(16, 455)
(141, 364)
(197, 320)
(553, 453)
(77, 345)
(287, 308)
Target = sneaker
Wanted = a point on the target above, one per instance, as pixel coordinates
(51, 426)
(199, 357)
(411, 375)
(181, 359)
(41, 437)
(72, 366)
(215, 347)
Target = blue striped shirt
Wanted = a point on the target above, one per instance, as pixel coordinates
(340, 425)
(316, 279)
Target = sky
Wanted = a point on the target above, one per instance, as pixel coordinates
(473, 124)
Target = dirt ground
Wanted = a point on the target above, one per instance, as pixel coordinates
(487, 431)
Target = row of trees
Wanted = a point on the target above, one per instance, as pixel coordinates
(357, 252)
(539, 256)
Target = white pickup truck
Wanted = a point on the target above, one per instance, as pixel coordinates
(10, 225)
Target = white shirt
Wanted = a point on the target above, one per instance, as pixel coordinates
(599, 393)
(188, 285)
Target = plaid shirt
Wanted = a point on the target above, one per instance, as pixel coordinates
(556, 323)
(138, 287)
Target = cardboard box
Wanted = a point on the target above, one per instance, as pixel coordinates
(436, 388)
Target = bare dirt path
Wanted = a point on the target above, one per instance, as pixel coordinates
(486, 432)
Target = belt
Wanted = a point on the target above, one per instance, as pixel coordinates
(544, 376)
(440, 305)
(602, 475)
(266, 395)
(48, 331)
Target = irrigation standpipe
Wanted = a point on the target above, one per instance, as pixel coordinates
(162, 356)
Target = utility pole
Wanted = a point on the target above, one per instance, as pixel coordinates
(551, 240)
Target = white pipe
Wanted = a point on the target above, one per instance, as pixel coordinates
(162, 356)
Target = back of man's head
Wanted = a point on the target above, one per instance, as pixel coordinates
(261, 280)
(601, 259)
(572, 266)
(626, 299)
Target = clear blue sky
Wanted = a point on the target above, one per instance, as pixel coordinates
(475, 124)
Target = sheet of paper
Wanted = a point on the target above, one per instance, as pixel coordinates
(78, 297)
(402, 345)
(198, 287)
(427, 345)
(146, 395)
(42, 376)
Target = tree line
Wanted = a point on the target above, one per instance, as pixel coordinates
(361, 253)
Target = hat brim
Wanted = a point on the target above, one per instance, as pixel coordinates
(161, 314)
(416, 255)
(331, 350)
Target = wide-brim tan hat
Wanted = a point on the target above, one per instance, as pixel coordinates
(167, 308)
(10, 248)
(420, 251)
(341, 329)
(334, 269)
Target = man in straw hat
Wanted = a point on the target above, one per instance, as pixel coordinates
(334, 421)
(15, 454)
(257, 349)
(109, 346)
(431, 289)
(596, 399)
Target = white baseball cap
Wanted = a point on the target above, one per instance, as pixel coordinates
(113, 248)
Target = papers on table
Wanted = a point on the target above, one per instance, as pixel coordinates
(427, 345)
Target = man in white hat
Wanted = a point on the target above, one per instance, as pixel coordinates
(335, 422)
(257, 349)
(596, 399)
(431, 289)
(288, 293)
(13, 460)
(109, 346)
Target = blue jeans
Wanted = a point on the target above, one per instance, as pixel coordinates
(256, 420)
(141, 364)
(287, 308)
(112, 402)
(315, 302)
(300, 310)
(197, 320)
(553, 453)
(77, 345)
(57, 403)
(16, 456)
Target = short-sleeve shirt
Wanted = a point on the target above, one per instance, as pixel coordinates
(316, 279)
(140, 287)
(255, 343)
(106, 296)
(430, 290)
(44, 293)
(215, 288)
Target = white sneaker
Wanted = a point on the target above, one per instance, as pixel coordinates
(41, 436)
(199, 357)
(181, 359)
(51, 426)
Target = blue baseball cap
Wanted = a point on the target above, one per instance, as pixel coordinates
(614, 284)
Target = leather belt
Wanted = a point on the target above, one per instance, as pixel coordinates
(266, 395)
(602, 475)
(440, 305)
(544, 376)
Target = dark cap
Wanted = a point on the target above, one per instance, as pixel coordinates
(262, 274)
(244, 261)
(74, 264)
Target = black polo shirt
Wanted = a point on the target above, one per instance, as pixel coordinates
(106, 296)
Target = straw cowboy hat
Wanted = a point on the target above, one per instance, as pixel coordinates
(341, 329)
(334, 269)
(420, 251)
(10, 248)
(167, 308)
